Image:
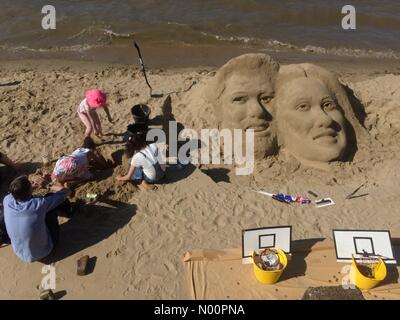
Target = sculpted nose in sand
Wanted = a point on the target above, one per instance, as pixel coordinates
(310, 123)
(241, 94)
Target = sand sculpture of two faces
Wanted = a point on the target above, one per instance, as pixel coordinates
(301, 109)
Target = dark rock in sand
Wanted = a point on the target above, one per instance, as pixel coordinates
(332, 293)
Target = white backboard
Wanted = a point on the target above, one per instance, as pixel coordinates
(357, 242)
(262, 238)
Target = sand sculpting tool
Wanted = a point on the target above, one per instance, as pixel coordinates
(286, 198)
(144, 72)
(352, 194)
(82, 265)
(324, 202)
(312, 193)
(9, 84)
(142, 64)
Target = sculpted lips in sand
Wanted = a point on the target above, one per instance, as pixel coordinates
(326, 136)
(310, 123)
(261, 128)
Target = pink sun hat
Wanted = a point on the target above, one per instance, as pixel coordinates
(96, 98)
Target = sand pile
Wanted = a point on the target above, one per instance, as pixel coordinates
(380, 97)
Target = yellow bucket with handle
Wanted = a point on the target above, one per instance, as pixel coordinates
(270, 276)
(363, 282)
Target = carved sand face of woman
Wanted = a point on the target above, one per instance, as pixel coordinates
(310, 124)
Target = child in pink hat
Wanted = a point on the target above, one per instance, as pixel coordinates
(94, 99)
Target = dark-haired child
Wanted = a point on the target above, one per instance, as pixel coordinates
(145, 166)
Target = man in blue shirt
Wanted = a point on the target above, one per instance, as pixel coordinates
(31, 221)
(4, 239)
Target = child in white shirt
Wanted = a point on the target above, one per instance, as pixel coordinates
(145, 166)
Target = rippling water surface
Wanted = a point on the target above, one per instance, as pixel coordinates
(312, 26)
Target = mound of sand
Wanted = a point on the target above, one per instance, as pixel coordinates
(380, 97)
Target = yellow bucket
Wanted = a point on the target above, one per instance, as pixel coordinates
(270, 276)
(366, 283)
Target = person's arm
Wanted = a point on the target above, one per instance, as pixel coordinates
(107, 111)
(59, 188)
(8, 162)
(128, 176)
(97, 161)
(51, 201)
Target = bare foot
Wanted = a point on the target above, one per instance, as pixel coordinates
(146, 186)
(101, 138)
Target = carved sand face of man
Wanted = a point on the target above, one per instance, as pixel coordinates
(243, 100)
(310, 124)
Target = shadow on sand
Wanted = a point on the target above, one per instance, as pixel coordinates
(8, 174)
(298, 266)
(90, 225)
